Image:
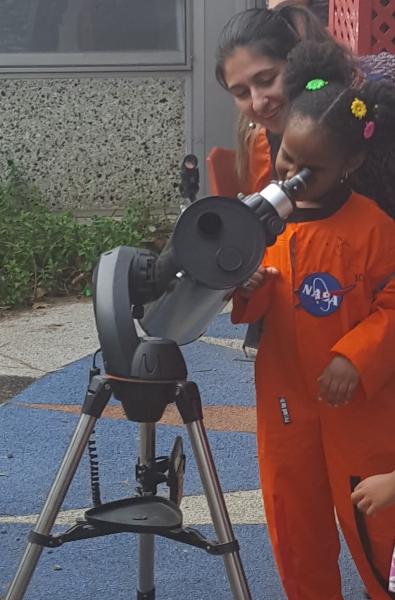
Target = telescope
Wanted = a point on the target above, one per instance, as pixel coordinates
(216, 245)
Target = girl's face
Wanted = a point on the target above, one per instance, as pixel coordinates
(308, 144)
(256, 83)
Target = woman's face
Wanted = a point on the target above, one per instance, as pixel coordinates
(256, 83)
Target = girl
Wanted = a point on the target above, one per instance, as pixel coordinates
(374, 494)
(325, 375)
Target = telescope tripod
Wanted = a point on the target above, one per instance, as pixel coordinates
(144, 401)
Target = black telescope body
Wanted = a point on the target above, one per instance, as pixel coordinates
(216, 245)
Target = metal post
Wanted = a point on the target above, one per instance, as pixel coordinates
(146, 582)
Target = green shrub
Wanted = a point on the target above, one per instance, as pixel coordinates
(44, 253)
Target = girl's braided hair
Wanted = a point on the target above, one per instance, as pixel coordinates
(371, 129)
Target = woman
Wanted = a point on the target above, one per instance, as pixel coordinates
(271, 34)
(251, 58)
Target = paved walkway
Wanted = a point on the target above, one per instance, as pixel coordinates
(52, 348)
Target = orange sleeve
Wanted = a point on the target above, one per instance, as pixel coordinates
(260, 163)
(249, 311)
(370, 346)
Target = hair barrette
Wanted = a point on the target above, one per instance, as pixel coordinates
(369, 130)
(358, 108)
(316, 84)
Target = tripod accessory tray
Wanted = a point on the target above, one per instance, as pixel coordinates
(139, 514)
(155, 515)
(151, 514)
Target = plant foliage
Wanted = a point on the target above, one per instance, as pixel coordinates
(45, 253)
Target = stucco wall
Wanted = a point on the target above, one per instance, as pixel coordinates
(92, 144)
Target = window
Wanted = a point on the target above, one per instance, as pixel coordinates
(92, 33)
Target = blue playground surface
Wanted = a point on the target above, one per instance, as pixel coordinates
(32, 445)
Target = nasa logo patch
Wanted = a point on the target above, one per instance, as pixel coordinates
(321, 294)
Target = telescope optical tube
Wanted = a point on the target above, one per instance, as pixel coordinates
(217, 244)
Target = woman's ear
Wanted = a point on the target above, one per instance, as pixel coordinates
(355, 161)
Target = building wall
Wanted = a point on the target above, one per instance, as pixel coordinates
(94, 144)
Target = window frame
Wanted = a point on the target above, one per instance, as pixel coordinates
(99, 62)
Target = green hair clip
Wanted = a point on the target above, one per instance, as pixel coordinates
(316, 84)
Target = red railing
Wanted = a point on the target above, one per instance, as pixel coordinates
(365, 26)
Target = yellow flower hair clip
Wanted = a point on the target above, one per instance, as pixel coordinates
(359, 108)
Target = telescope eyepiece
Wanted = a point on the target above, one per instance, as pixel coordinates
(297, 184)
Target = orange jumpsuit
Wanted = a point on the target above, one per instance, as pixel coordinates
(259, 164)
(334, 295)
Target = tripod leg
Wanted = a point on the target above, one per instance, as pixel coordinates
(146, 582)
(146, 588)
(95, 401)
(52, 506)
(189, 405)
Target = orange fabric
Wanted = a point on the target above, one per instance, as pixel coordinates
(221, 169)
(308, 450)
(260, 163)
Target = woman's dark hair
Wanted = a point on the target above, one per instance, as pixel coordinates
(331, 106)
(319, 7)
(268, 32)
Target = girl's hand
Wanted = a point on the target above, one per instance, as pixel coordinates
(256, 281)
(338, 381)
(374, 493)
